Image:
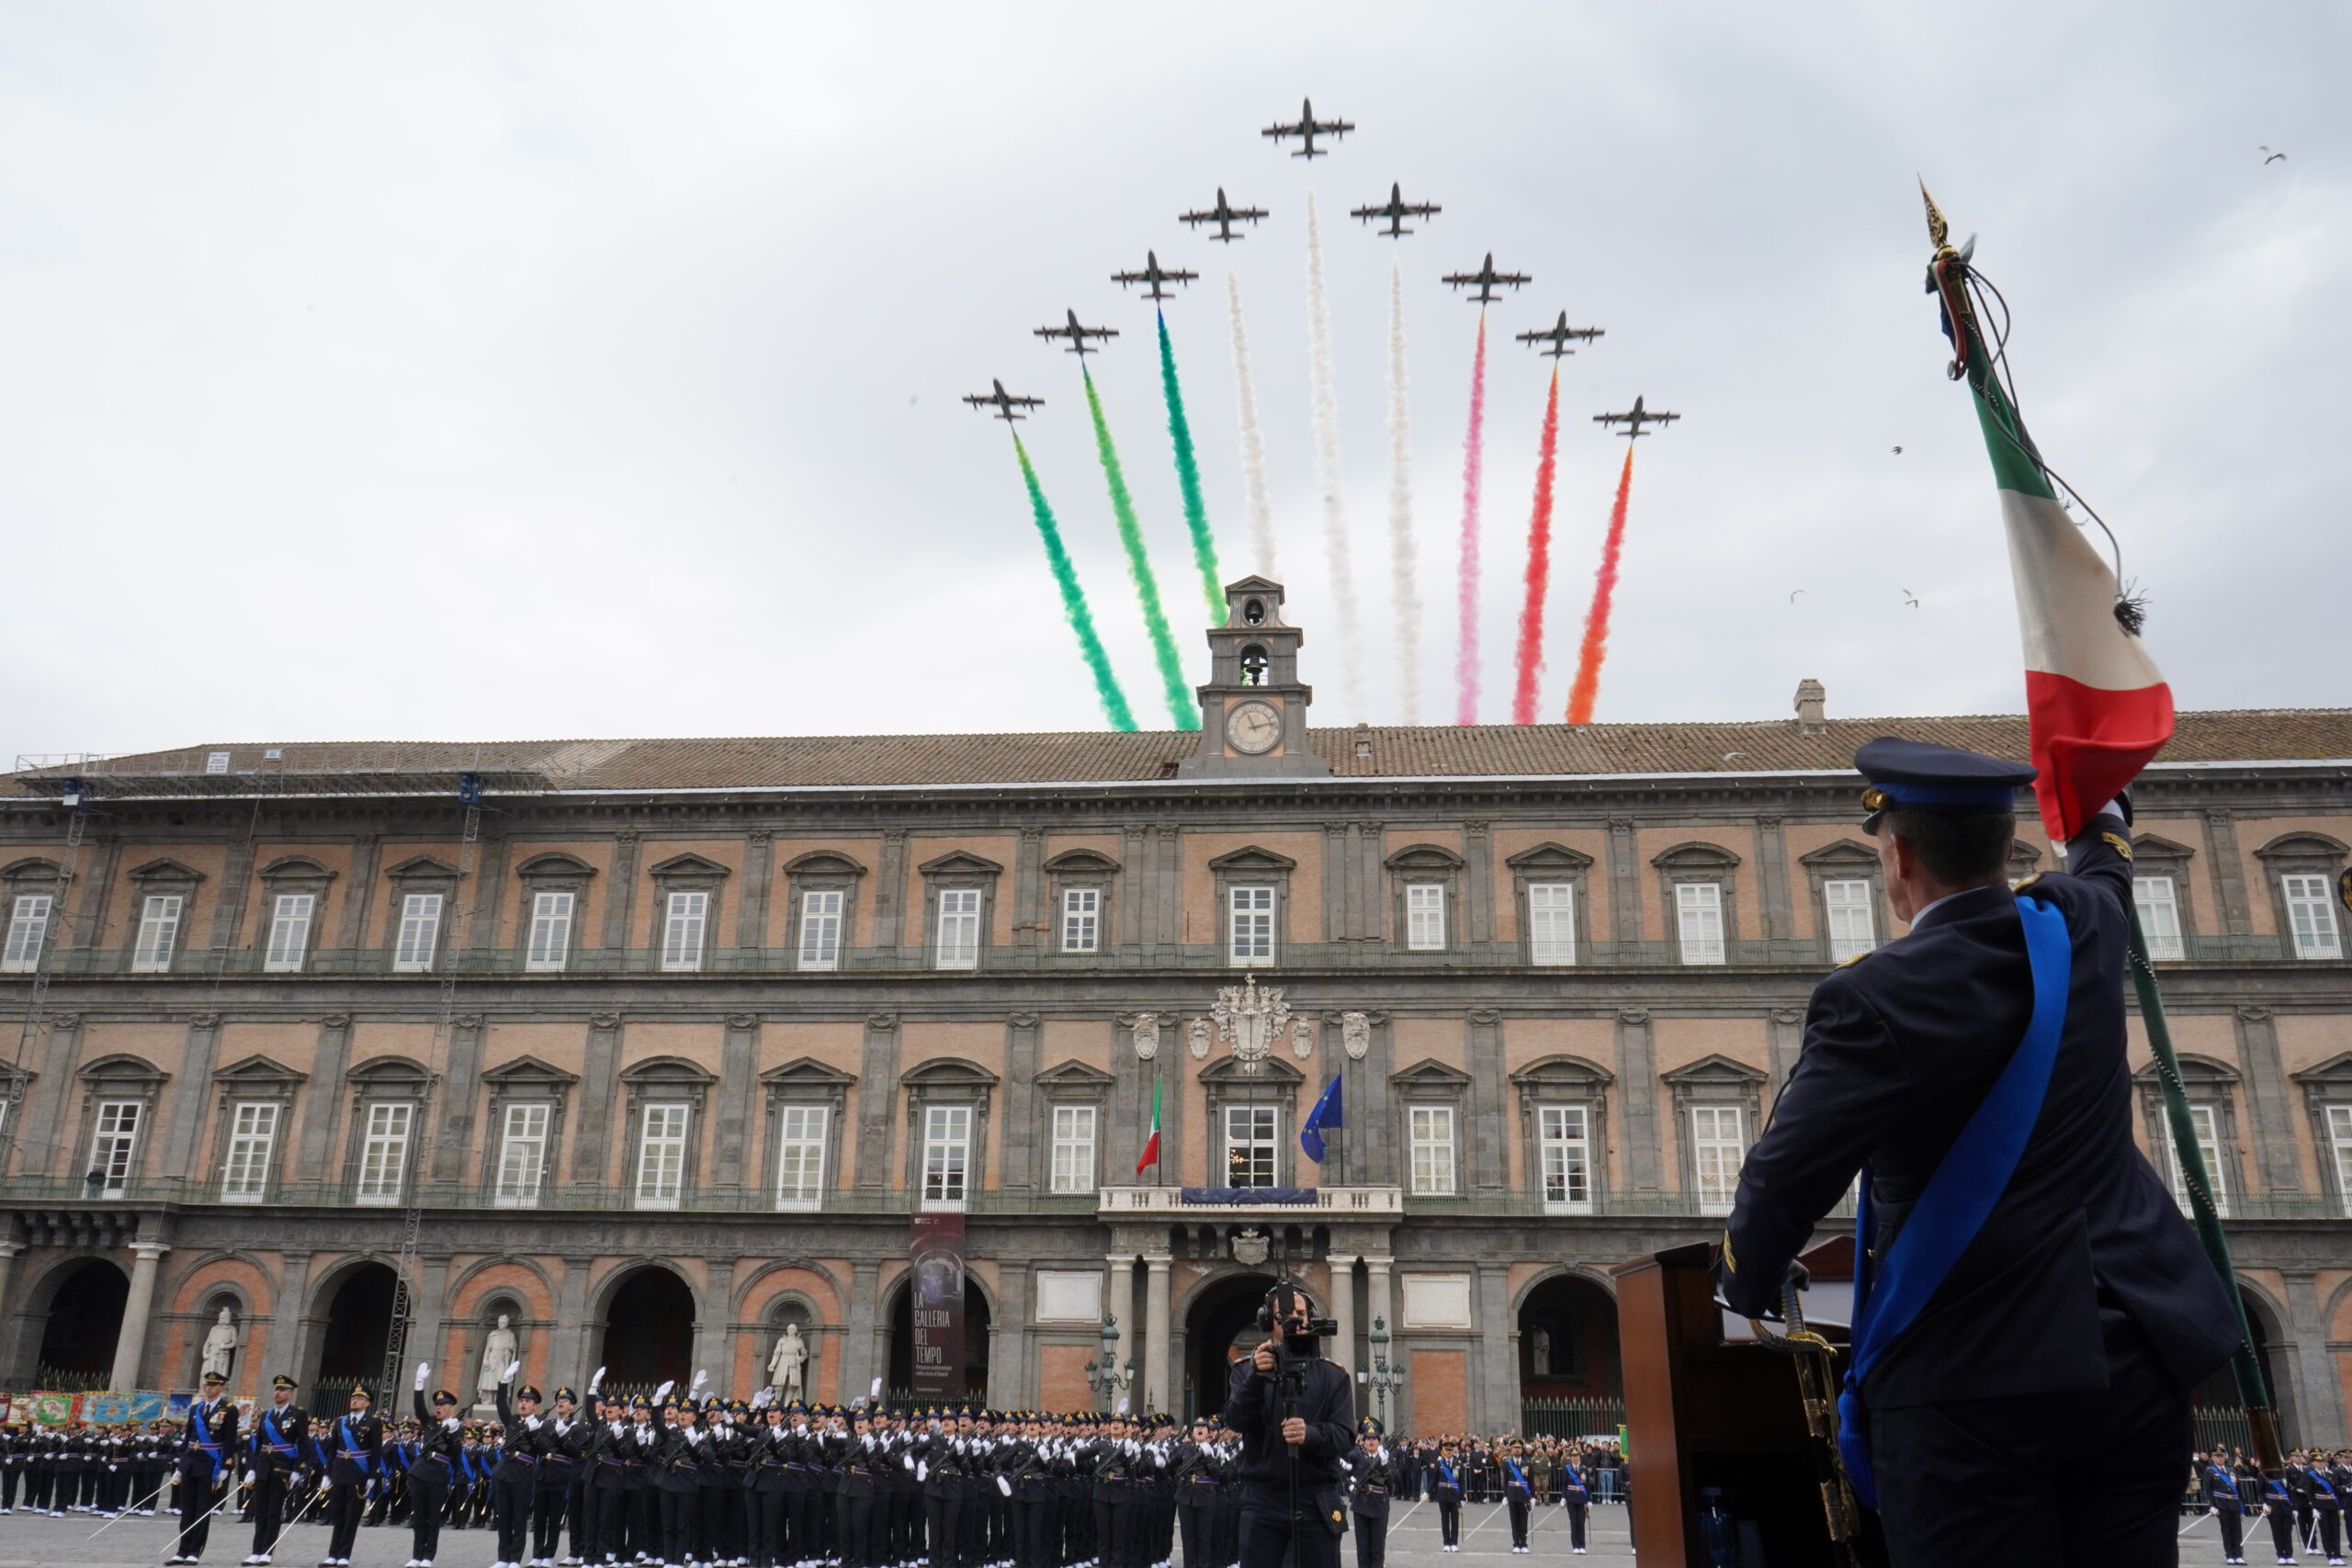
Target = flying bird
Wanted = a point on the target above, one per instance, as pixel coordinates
(2272, 159)
(1898, 451)
(1793, 594)
(1908, 600)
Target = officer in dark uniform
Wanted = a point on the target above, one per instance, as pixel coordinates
(2218, 1492)
(1293, 1443)
(208, 1445)
(514, 1482)
(559, 1440)
(274, 1455)
(438, 1461)
(352, 1446)
(2036, 1409)
(1371, 1481)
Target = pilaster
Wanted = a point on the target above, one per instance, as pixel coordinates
(2269, 1100)
(2229, 871)
(189, 1086)
(599, 1083)
(739, 1055)
(1624, 882)
(323, 1104)
(759, 872)
(1478, 883)
(620, 899)
(1779, 919)
(1638, 1075)
(359, 894)
(460, 1087)
(891, 891)
(878, 1087)
(1487, 1171)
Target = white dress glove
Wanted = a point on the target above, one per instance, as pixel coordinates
(423, 1371)
(511, 1368)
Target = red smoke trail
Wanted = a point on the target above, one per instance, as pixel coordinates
(1539, 565)
(1596, 620)
(1473, 455)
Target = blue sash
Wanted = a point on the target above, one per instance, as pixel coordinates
(1447, 1470)
(1517, 1477)
(211, 1449)
(1961, 1195)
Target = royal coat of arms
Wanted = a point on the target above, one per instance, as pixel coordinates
(1251, 1020)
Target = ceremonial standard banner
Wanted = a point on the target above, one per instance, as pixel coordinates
(54, 1409)
(147, 1405)
(935, 1246)
(176, 1405)
(106, 1409)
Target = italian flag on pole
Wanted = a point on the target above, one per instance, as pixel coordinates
(1150, 1155)
(2098, 708)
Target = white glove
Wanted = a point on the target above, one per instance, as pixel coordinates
(701, 1378)
(594, 1380)
(663, 1391)
(251, 1478)
(532, 1422)
(449, 1424)
(511, 1368)
(617, 1428)
(1004, 1487)
(423, 1371)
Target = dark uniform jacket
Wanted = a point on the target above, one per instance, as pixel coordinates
(208, 1442)
(1253, 1407)
(352, 1443)
(1372, 1481)
(278, 1438)
(1900, 1047)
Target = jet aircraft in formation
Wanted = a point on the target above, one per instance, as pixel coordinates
(1308, 129)
(1225, 215)
(1635, 418)
(1004, 402)
(1486, 277)
(1559, 336)
(1077, 336)
(1395, 211)
(1154, 275)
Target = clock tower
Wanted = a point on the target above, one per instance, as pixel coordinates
(1253, 709)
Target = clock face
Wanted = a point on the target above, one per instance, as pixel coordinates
(1254, 728)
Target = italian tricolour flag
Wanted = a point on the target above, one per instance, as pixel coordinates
(2098, 708)
(1150, 1155)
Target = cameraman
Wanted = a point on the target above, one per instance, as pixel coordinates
(1295, 1413)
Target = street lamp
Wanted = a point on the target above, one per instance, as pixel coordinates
(1379, 1377)
(1105, 1376)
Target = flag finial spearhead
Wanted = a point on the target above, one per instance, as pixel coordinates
(1938, 231)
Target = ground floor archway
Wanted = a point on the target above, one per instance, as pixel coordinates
(2219, 1391)
(1224, 1315)
(352, 1341)
(649, 1332)
(1567, 1341)
(85, 1318)
(976, 1322)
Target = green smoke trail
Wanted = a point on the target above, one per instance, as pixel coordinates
(1188, 477)
(1074, 609)
(1163, 646)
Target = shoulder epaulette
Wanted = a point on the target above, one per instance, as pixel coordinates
(2023, 883)
(2117, 842)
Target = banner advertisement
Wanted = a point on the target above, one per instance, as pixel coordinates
(935, 1247)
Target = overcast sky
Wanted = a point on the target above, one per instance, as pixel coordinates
(459, 371)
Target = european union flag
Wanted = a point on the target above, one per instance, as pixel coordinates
(1325, 1114)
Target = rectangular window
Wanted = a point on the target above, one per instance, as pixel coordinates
(289, 931)
(2206, 1119)
(420, 931)
(2340, 1144)
(252, 1138)
(820, 928)
(523, 1151)
(1251, 916)
(2310, 915)
(115, 1145)
(946, 1154)
(1716, 1149)
(1852, 929)
(1249, 1145)
(27, 929)
(383, 1152)
(1551, 922)
(1081, 920)
(1073, 1148)
(1564, 1133)
(550, 933)
(159, 933)
(959, 929)
(2159, 907)
(1699, 918)
(683, 919)
(1431, 1136)
(801, 1155)
(1425, 916)
(662, 1155)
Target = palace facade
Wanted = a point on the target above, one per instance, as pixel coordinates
(653, 1047)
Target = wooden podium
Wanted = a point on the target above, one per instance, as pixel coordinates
(1705, 1408)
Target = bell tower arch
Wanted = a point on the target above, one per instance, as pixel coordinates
(1253, 708)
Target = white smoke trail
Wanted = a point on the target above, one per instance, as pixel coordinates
(1401, 549)
(1253, 444)
(1327, 453)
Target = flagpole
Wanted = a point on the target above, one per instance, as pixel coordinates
(1948, 277)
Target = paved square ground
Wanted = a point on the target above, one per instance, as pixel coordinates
(27, 1541)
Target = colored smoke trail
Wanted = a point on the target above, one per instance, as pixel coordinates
(1401, 552)
(1326, 454)
(1188, 479)
(1539, 564)
(1596, 620)
(1074, 607)
(1473, 460)
(1253, 444)
(1181, 705)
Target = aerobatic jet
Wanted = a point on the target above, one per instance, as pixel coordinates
(1078, 334)
(1559, 336)
(1634, 419)
(1486, 277)
(1225, 215)
(1004, 402)
(1154, 275)
(1395, 211)
(1308, 129)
